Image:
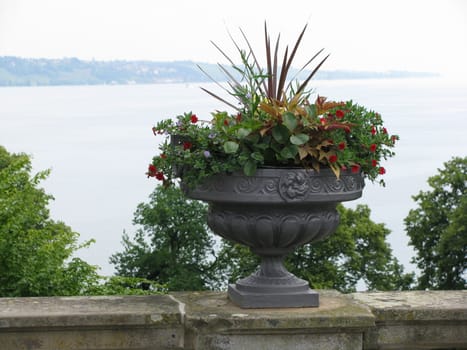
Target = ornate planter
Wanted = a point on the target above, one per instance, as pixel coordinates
(274, 212)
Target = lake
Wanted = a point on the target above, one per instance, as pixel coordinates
(98, 142)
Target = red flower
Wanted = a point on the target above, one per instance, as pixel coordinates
(239, 117)
(394, 138)
(163, 156)
(355, 168)
(226, 122)
(382, 171)
(341, 145)
(159, 176)
(322, 120)
(373, 130)
(332, 159)
(385, 131)
(373, 147)
(374, 163)
(194, 119)
(152, 170)
(339, 114)
(187, 145)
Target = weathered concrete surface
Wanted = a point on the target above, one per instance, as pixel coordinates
(213, 322)
(130, 322)
(209, 321)
(417, 319)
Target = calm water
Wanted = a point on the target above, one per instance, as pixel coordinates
(98, 141)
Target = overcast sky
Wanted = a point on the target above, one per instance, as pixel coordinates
(420, 35)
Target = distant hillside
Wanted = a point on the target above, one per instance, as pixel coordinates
(16, 71)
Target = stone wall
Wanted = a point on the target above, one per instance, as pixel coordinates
(208, 321)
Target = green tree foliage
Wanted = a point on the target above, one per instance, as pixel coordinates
(172, 245)
(35, 251)
(118, 285)
(357, 250)
(438, 228)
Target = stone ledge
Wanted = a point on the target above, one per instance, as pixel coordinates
(126, 322)
(209, 321)
(108, 311)
(416, 319)
(213, 322)
(214, 312)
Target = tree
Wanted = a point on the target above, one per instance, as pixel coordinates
(356, 251)
(36, 252)
(173, 244)
(438, 228)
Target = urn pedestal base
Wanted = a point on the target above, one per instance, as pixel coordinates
(252, 300)
(272, 286)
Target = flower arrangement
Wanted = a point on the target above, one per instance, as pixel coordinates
(273, 123)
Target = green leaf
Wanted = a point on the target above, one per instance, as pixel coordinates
(257, 156)
(253, 138)
(249, 168)
(280, 133)
(242, 133)
(289, 152)
(261, 146)
(299, 139)
(276, 147)
(290, 121)
(230, 147)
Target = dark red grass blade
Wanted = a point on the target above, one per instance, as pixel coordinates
(283, 76)
(300, 89)
(268, 61)
(274, 70)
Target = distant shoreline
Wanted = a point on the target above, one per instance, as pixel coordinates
(17, 71)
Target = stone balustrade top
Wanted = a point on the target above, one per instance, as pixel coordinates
(208, 321)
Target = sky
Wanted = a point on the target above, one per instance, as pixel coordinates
(378, 35)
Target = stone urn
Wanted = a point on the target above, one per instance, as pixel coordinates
(274, 212)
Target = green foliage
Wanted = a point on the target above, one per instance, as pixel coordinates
(357, 250)
(438, 228)
(35, 251)
(172, 245)
(348, 137)
(118, 285)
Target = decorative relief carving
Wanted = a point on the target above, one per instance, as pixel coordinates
(353, 183)
(288, 185)
(335, 185)
(294, 186)
(258, 185)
